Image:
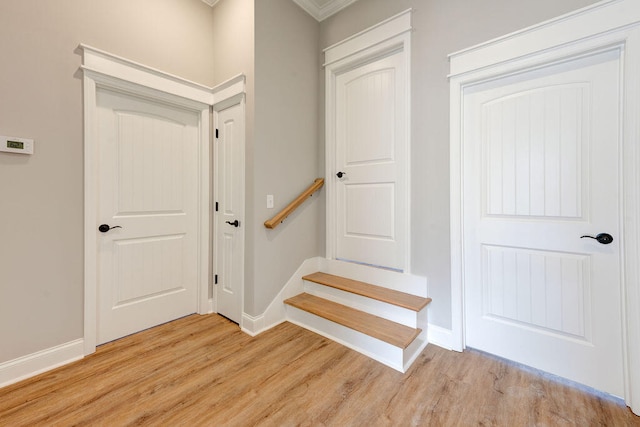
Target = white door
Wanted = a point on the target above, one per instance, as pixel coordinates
(371, 164)
(229, 211)
(148, 187)
(541, 162)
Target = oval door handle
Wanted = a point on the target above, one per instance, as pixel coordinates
(603, 238)
(340, 174)
(235, 223)
(105, 227)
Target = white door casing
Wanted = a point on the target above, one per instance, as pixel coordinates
(368, 140)
(105, 71)
(148, 186)
(229, 196)
(371, 144)
(608, 26)
(540, 172)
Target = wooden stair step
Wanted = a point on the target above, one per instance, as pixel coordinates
(385, 330)
(390, 296)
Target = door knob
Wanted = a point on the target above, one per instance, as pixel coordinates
(603, 238)
(105, 227)
(235, 223)
(340, 174)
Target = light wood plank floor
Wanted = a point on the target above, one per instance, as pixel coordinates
(201, 370)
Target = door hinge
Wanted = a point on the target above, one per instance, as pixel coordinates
(216, 133)
(215, 279)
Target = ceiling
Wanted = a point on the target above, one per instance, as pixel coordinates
(319, 9)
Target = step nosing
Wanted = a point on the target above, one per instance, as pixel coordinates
(368, 290)
(382, 329)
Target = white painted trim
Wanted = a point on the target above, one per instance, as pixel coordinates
(373, 348)
(203, 214)
(440, 336)
(228, 90)
(36, 363)
(93, 81)
(115, 66)
(611, 24)
(211, 3)
(90, 216)
(403, 282)
(320, 13)
(254, 325)
(275, 312)
(102, 69)
(393, 34)
(631, 216)
(232, 94)
(369, 38)
(568, 28)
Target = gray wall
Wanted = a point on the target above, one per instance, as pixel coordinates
(275, 43)
(440, 27)
(234, 50)
(285, 146)
(41, 196)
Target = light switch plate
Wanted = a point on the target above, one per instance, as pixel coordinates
(17, 145)
(269, 201)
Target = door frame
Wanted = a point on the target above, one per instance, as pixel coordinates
(390, 35)
(105, 70)
(231, 101)
(607, 25)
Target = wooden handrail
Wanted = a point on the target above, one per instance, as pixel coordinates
(284, 213)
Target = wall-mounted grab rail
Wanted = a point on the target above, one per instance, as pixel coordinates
(284, 213)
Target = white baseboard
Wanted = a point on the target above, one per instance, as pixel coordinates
(208, 307)
(36, 363)
(440, 336)
(252, 325)
(275, 312)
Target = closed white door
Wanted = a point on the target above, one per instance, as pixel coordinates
(541, 170)
(148, 188)
(371, 167)
(229, 212)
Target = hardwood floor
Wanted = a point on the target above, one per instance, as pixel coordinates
(201, 370)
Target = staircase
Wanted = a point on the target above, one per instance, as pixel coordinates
(385, 324)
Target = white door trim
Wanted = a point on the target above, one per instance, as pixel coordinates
(104, 70)
(233, 96)
(611, 24)
(391, 35)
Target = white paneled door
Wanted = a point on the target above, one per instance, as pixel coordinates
(229, 211)
(371, 134)
(541, 161)
(148, 189)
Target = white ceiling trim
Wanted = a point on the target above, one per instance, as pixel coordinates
(211, 2)
(322, 9)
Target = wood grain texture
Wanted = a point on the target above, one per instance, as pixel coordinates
(390, 296)
(385, 330)
(201, 370)
(288, 210)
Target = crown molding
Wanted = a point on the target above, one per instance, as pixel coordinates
(211, 2)
(321, 10)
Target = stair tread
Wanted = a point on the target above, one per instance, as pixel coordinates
(385, 330)
(391, 296)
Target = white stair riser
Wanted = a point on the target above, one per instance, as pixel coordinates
(381, 351)
(416, 347)
(413, 351)
(411, 284)
(377, 308)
